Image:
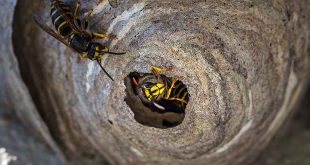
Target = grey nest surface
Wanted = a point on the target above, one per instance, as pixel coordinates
(244, 64)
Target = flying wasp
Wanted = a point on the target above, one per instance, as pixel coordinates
(71, 30)
(161, 91)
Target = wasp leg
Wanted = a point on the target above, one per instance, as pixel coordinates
(174, 80)
(77, 8)
(178, 99)
(95, 35)
(135, 82)
(86, 18)
(84, 24)
(77, 21)
(155, 70)
(82, 57)
(100, 35)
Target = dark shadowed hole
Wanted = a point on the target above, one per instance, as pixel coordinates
(29, 53)
(162, 113)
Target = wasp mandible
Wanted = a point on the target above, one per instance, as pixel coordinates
(159, 90)
(72, 31)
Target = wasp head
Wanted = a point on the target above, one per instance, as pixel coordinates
(96, 50)
(152, 87)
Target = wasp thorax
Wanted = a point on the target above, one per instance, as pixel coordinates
(157, 101)
(79, 43)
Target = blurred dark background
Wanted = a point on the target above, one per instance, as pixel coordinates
(291, 145)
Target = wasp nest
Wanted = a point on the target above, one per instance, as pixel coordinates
(243, 63)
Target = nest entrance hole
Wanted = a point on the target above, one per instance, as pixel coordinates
(162, 113)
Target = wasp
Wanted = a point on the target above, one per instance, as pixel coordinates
(161, 91)
(72, 31)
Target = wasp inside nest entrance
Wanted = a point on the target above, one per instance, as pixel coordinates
(155, 99)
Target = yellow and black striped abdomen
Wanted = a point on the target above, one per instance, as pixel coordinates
(58, 11)
(180, 91)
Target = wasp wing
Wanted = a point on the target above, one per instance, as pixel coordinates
(50, 31)
(70, 22)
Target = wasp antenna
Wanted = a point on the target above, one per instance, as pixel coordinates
(103, 52)
(116, 53)
(135, 82)
(104, 70)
